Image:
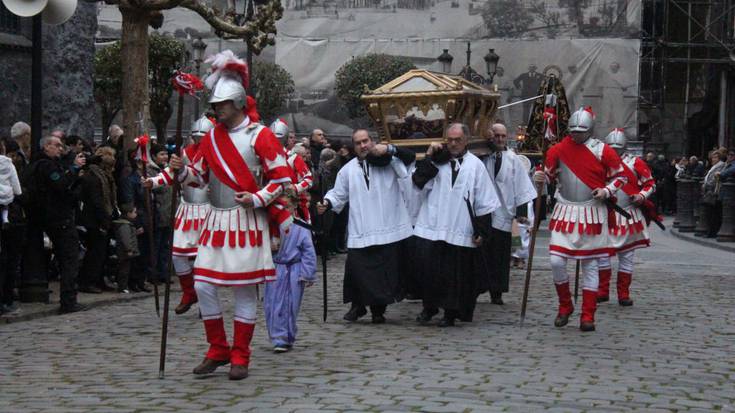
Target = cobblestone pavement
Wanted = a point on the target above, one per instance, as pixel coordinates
(671, 351)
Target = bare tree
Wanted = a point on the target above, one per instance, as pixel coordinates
(137, 15)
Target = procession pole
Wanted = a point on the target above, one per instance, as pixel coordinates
(576, 282)
(325, 251)
(536, 218)
(149, 212)
(184, 84)
(532, 244)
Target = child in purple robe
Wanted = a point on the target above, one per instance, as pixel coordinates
(295, 269)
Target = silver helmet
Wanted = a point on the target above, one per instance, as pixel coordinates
(279, 128)
(583, 120)
(229, 88)
(200, 127)
(616, 139)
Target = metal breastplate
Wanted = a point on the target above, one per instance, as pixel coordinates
(570, 187)
(623, 199)
(194, 195)
(221, 195)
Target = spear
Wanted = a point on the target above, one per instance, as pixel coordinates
(548, 88)
(184, 83)
(142, 142)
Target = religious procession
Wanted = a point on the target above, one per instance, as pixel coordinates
(297, 206)
(436, 228)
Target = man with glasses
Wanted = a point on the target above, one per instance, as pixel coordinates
(51, 209)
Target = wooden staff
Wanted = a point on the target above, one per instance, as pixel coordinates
(184, 84)
(537, 208)
(576, 282)
(149, 211)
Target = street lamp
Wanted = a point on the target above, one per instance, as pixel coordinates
(491, 64)
(446, 61)
(199, 47)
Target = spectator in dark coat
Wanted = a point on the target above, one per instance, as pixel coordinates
(98, 207)
(51, 210)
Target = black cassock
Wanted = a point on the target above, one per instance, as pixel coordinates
(497, 251)
(452, 276)
(373, 274)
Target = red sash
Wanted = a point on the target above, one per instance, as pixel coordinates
(631, 187)
(582, 162)
(244, 180)
(191, 150)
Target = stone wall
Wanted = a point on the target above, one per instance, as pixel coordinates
(68, 100)
(68, 95)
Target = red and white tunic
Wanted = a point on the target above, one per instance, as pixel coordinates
(629, 234)
(191, 211)
(304, 181)
(579, 223)
(234, 246)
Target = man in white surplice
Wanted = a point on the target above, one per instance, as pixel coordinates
(515, 190)
(456, 201)
(373, 183)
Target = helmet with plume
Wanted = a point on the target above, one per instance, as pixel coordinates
(279, 127)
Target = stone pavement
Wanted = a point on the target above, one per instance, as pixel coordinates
(32, 311)
(671, 352)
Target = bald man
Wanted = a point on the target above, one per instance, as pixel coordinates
(515, 190)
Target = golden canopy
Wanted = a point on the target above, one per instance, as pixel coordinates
(415, 109)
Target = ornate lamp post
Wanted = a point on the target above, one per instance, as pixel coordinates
(491, 64)
(446, 61)
(199, 47)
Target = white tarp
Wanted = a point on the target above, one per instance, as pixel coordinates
(602, 73)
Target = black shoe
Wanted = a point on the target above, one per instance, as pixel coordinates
(561, 320)
(627, 302)
(378, 319)
(355, 313)
(104, 287)
(425, 317)
(134, 288)
(446, 322)
(73, 309)
(601, 299)
(143, 288)
(89, 289)
(587, 326)
(496, 298)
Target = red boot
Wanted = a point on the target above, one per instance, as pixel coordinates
(240, 357)
(589, 306)
(603, 292)
(566, 308)
(219, 350)
(189, 297)
(624, 280)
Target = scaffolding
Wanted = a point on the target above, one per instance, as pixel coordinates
(686, 76)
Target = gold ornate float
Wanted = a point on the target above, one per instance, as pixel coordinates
(415, 109)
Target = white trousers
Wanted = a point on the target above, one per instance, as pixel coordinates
(183, 265)
(625, 262)
(589, 270)
(246, 303)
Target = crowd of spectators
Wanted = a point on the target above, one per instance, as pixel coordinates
(76, 211)
(718, 167)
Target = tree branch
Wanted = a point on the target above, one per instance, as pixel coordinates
(255, 32)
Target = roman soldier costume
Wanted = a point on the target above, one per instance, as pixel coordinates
(304, 178)
(234, 245)
(579, 222)
(189, 218)
(627, 234)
